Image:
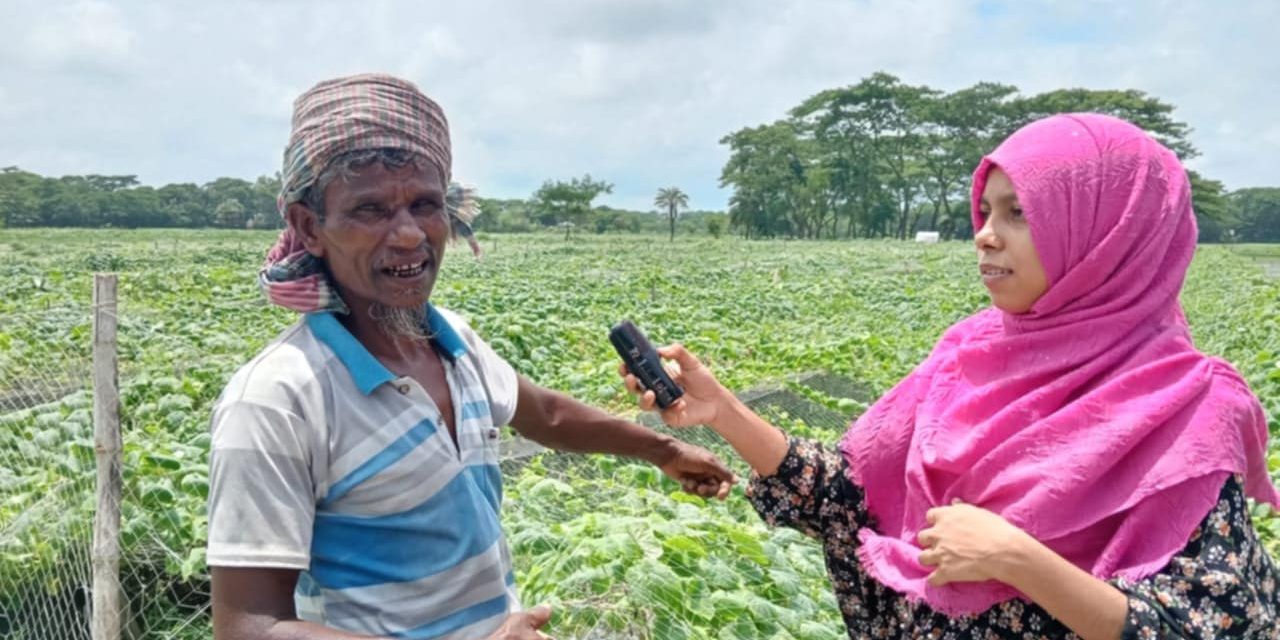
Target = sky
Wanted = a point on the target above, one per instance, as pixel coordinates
(634, 92)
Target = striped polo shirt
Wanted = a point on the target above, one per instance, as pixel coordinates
(325, 461)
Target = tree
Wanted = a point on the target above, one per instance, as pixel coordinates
(1153, 115)
(767, 167)
(876, 126)
(1258, 213)
(843, 140)
(70, 201)
(265, 192)
(134, 207)
(504, 215)
(671, 200)
(242, 191)
(886, 158)
(1214, 215)
(715, 225)
(184, 205)
(19, 198)
(110, 183)
(959, 128)
(568, 203)
(229, 213)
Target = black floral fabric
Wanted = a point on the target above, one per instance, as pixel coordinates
(1222, 585)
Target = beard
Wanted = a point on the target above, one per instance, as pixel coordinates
(401, 322)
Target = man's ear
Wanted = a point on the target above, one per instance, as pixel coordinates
(307, 225)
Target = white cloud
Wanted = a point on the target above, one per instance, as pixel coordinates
(637, 92)
(89, 33)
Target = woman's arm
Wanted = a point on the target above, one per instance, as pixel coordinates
(796, 483)
(761, 445)
(1221, 585)
(1092, 608)
(970, 544)
(706, 401)
(1224, 584)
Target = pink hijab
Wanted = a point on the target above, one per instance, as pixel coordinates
(1091, 421)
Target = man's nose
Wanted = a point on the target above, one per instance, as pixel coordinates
(406, 231)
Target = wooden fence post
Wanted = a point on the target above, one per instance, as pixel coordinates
(106, 440)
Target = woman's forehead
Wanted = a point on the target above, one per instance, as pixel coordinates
(998, 187)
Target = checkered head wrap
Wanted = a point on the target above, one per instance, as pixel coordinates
(355, 113)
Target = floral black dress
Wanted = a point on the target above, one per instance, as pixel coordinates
(1222, 585)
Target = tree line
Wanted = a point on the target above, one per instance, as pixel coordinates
(880, 158)
(884, 158)
(568, 205)
(31, 200)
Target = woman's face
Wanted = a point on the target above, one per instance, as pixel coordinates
(1007, 258)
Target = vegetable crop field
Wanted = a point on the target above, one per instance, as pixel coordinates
(611, 544)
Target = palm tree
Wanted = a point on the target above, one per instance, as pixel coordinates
(672, 199)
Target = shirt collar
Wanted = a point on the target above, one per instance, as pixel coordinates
(367, 372)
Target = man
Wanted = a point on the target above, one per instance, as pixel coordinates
(354, 460)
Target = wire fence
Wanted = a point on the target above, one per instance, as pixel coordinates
(620, 552)
(45, 444)
(52, 492)
(610, 543)
(613, 545)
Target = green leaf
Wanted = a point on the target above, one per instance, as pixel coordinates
(685, 546)
(164, 462)
(653, 584)
(810, 630)
(748, 546)
(740, 629)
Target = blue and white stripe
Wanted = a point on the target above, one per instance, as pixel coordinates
(406, 539)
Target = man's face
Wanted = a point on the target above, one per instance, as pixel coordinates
(384, 235)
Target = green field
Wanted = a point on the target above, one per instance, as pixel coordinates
(612, 544)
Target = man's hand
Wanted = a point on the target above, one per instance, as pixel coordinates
(970, 544)
(699, 471)
(524, 625)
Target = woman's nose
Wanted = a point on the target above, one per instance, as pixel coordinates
(987, 238)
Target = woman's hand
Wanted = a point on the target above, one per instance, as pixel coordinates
(703, 398)
(970, 544)
(707, 402)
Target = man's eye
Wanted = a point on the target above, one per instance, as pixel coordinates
(1017, 212)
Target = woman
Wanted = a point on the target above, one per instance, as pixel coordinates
(1064, 463)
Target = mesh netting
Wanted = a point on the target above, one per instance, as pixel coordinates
(619, 552)
(46, 474)
(611, 543)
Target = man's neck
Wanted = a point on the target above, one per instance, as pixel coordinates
(374, 337)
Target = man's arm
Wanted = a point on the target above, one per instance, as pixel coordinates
(257, 604)
(560, 422)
